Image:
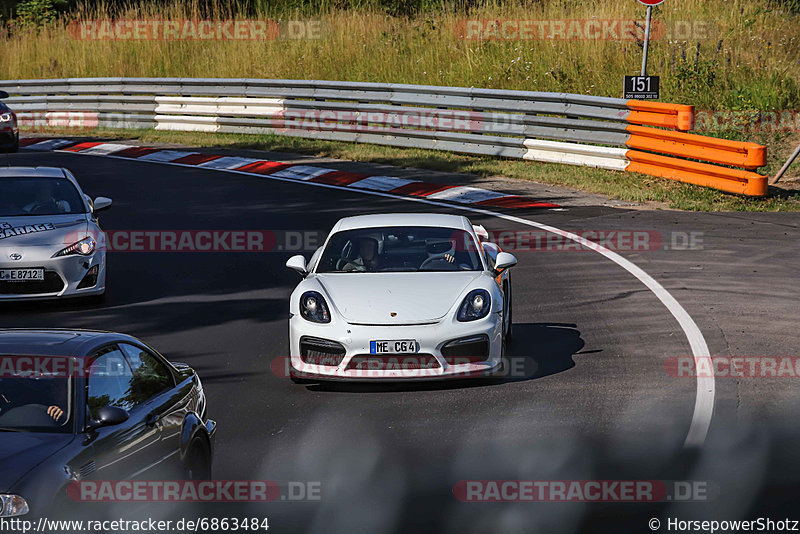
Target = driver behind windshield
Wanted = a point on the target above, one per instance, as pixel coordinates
(368, 258)
(46, 201)
(48, 394)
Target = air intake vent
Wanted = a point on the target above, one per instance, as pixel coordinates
(318, 351)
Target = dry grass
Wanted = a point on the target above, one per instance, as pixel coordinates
(739, 55)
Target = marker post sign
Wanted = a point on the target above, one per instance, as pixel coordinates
(643, 87)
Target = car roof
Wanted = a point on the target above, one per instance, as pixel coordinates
(54, 342)
(33, 172)
(403, 219)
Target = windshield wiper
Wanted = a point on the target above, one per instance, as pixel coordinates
(3, 429)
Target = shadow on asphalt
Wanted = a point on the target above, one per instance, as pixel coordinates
(157, 317)
(536, 351)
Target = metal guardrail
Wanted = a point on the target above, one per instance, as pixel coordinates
(603, 132)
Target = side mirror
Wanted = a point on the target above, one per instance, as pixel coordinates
(297, 263)
(504, 261)
(109, 416)
(101, 203)
(3, 94)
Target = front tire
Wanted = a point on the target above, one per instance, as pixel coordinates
(197, 464)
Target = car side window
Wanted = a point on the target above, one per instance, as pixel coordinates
(150, 375)
(110, 381)
(491, 251)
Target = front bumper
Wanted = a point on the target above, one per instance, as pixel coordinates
(62, 276)
(431, 338)
(8, 138)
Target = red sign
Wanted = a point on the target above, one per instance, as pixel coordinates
(651, 2)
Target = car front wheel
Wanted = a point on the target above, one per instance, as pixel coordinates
(197, 465)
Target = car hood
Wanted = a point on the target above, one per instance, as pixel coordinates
(20, 452)
(42, 230)
(372, 298)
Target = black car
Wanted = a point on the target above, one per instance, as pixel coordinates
(87, 405)
(9, 129)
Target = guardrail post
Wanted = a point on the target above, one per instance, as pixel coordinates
(646, 39)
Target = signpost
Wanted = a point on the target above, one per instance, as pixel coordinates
(643, 87)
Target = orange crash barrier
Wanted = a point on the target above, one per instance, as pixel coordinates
(674, 116)
(735, 153)
(724, 178)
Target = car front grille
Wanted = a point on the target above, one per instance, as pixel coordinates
(52, 283)
(318, 351)
(466, 350)
(392, 362)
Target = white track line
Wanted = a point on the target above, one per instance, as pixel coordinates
(704, 399)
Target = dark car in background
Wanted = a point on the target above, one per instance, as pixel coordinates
(89, 405)
(9, 129)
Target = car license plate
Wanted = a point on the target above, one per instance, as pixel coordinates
(21, 275)
(402, 346)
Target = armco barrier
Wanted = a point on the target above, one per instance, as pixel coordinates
(610, 133)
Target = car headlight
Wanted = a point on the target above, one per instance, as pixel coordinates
(12, 506)
(314, 308)
(476, 305)
(6, 117)
(84, 247)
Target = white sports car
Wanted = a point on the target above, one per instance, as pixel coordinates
(50, 243)
(401, 297)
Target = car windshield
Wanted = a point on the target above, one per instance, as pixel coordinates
(20, 196)
(401, 249)
(34, 400)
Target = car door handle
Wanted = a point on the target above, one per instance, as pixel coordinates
(152, 418)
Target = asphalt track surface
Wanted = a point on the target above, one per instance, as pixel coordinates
(594, 399)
